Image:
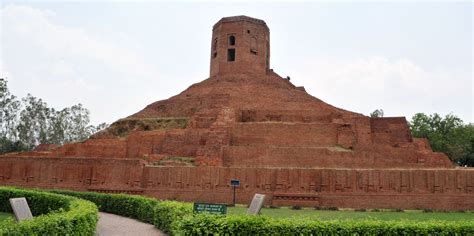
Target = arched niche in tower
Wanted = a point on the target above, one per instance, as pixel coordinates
(232, 40)
(253, 45)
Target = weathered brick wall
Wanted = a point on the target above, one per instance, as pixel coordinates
(71, 173)
(357, 143)
(106, 148)
(313, 157)
(252, 46)
(285, 134)
(179, 143)
(391, 130)
(368, 188)
(360, 188)
(140, 144)
(301, 116)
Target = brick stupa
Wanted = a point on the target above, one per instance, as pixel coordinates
(246, 122)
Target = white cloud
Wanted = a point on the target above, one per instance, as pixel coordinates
(400, 86)
(57, 41)
(68, 65)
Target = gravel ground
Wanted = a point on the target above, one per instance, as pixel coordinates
(110, 224)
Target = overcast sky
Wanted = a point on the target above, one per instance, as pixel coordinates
(116, 58)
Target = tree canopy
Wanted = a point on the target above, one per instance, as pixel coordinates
(27, 122)
(446, 134)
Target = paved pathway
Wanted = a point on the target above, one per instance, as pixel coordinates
(110, 224)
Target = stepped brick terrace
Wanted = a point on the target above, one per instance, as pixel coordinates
(246, 122)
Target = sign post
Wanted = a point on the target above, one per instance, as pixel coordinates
(234, 183)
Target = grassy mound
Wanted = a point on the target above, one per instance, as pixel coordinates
(123, 127)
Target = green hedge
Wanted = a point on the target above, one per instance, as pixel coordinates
(53, 214)
(177, 218)
(165, 215)
(205, 224)
(170, 213)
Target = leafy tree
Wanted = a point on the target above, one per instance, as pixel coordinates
(79, 128)
(449, 135)
(7, 145)
(58, 126)
(461, 145)
(9, 109)
(29, 122)
(34, 121)
(377, 113)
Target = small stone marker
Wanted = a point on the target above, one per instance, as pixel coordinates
(21, 209)
(209, 207)
(256, 204)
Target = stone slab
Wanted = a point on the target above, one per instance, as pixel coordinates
(21, 209)
(256, 204)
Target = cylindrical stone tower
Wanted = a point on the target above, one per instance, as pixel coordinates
(240, 44)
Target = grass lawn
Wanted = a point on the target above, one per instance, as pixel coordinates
(415, 215)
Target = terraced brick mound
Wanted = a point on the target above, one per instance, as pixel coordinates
(247, 122)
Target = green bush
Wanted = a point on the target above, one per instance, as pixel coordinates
(206, 224)
(136, 207)
(177, 219)
(168, 214)
(163, 214)
(53, 214)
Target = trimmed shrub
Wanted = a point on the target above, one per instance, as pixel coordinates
(177, 219)
(205, 224)
(163, 214)
(53, 214)
(169, 213)
(136, 207)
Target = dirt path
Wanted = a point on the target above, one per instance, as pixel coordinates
(110, 224)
